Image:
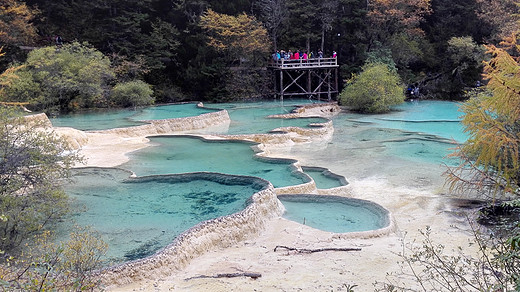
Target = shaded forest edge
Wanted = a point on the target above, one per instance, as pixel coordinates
(169, 51)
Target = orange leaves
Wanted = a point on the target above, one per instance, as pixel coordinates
(15, 22)
(492, 119)
(397, 15)
(240, 35)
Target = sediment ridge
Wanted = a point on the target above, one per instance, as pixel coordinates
(166, 126)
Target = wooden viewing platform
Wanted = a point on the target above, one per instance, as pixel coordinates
(311, 77)
(305, 64)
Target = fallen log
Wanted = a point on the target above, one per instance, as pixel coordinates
(305, 250)
(227, 275)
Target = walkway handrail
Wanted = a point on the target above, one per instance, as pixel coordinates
(314, 62)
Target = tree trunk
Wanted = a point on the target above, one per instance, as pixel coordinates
(322, 40)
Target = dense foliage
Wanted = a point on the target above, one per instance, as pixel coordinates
(72, 77)
(32, 161)
(50, 266)
(374, 90)
(165, 43)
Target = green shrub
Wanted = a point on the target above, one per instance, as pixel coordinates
(374, 90)
(132, 94)
(72, 77)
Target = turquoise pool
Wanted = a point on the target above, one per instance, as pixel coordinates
(122, 118)
(334, 214)
(138, 216)
(182, 154)
(323, 178)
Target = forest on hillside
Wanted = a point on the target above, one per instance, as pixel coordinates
(186, 53)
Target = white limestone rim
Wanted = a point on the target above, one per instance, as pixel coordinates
(199, 239)
(163, 126)
(321, 110)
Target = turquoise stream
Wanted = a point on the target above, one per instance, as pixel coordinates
(139, 216)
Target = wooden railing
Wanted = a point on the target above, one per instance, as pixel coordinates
(308, 63)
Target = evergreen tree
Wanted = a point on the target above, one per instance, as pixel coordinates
(304, 27)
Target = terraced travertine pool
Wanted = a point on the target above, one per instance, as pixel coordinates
(139, 216)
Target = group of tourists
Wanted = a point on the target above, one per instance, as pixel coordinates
(298, 54)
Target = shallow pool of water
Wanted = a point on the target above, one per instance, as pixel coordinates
(323, 178)
(334, 214)
(252, 117)
(122, 118)
(181, 154)
(246, 118)
(439, 118)
(171, 111)
(97, 120)
(137, 217)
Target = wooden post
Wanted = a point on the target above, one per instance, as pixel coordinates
(309, 84)
(336, 83)
(328, 85)
(281, 84)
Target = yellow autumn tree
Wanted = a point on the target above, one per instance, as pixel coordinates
(16, 23)
(243, 46)
(240, 37)
(490, 157)
(6, 78)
